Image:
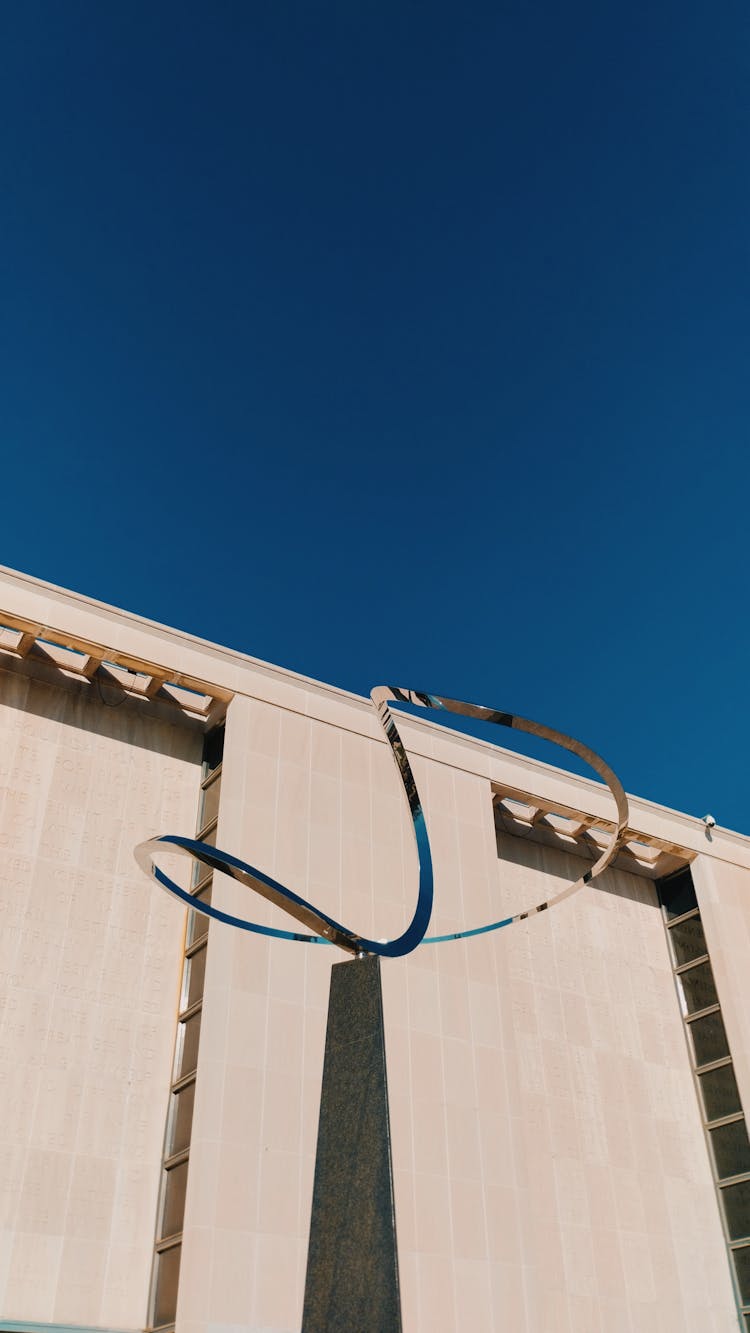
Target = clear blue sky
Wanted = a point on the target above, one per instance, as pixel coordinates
(397, 342)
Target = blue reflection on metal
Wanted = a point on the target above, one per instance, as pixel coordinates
(327, 929)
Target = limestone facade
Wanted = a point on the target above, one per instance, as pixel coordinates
(552, 1170)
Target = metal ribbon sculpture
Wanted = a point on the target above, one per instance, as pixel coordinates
(329, 931)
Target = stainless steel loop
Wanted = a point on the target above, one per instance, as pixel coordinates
(327, 929)
(590, 757)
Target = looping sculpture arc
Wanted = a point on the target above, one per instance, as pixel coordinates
(329, 931)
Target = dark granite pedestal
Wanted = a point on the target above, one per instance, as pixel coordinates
(352, 1262)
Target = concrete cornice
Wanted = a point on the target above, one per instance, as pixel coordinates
(43, 593)
(238, 673)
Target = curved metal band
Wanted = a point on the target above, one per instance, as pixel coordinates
(583, 752)
(330, 931)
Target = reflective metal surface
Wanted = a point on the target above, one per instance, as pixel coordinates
(575, 747)
(329, 931)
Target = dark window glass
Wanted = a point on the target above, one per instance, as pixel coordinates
(747, 1323)
(698, 987)
(731, 1149)
(736, 1200)
(198, 923)
(213, 750)
(182, 1119)
(174, 1200)
(709, 1038)
(688, 940)
(167, 1276)
(719, 1090)
(190, 1031)
(678, 894)
(209, 803)
(194, 974)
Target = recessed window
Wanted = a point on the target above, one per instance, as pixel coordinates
(697, 986)
(165, 1287)
(182, 1119)
(174, 1199)
(736, 1201)
(209, 803)
(210, 839)
(688, 940)
(726, 1128)
(166, 1265)
(709, 1038)
(678, 894)
(193, 977)
(198, 924)
(731, 1149)
(213, 750)
(189, 1039)
(719, 1092)
(200, 874)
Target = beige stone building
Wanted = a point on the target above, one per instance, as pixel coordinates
(570, 1152)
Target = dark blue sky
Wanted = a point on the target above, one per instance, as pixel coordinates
(397, 342)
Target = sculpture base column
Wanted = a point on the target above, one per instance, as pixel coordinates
(352, 1261)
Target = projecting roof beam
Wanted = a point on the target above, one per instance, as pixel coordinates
(216, 713)
(91, 666)
(188, 699)
(154, 686)
(25, 644)
(59, 654)
(189, 693)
